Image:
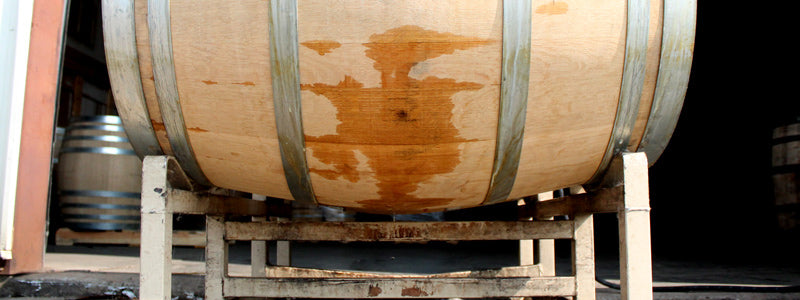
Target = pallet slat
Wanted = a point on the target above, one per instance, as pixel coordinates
(68, 237)
(398, 231)
(397, 288)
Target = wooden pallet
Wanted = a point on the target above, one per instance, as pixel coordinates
(67, 237)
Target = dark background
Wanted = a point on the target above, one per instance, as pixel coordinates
(711, 191)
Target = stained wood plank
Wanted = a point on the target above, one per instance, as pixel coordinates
(398, 288)
(397, 231)
(507, 272)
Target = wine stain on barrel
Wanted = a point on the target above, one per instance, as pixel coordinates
(158, 126)
(403, 127)
(322, 47)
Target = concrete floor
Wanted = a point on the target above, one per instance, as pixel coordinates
(111, 272)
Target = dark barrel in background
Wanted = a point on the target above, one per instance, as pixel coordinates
(785, 166)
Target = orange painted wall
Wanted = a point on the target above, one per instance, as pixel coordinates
(37, 134)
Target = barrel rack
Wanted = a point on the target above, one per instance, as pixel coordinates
(166, 190)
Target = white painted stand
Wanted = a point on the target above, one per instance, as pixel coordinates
(636, 264)
(258, 249)
(166, 191)
(155, 273)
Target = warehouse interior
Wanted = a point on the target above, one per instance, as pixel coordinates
(712, 192)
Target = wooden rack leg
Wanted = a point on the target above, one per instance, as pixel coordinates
(546, 249)
(283, 255)
(216, 257)
(539, 251)
(258, 249)
(526, 250)
(258, 256)
(155, 276)
(583, 257)
(636, 272)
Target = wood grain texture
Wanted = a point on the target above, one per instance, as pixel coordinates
(166, 82)
(400, 98)
(576, 69)
(221, 52)
(399, 127)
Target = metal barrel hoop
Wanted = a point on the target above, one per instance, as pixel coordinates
(158, 18)
(99, 150)
(285, 70)
(104, 217)
(113, 120)
(99, 206)
(113, 128)
(633, 77)
(119, 34)
(513, 98)
(99, 138)
(677, 44)
(99, 193)
(103, 226)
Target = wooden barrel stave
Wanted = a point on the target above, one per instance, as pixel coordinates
(395, 148)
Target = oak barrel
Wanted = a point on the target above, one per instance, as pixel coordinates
(99, 176)
(786, 174)
(403, 106)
